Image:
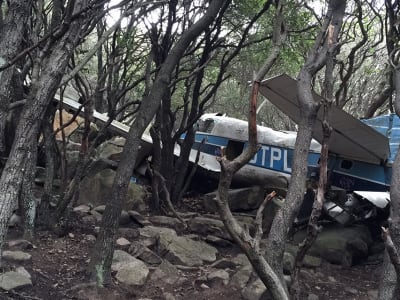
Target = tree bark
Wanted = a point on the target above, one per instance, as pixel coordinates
(54, 65)
(11, 39)
(99, 268)
(308, 109)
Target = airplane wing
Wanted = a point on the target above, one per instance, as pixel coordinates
(350, 138)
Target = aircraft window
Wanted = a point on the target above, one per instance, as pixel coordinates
(233, 149)
(346, 164)
(206, 125)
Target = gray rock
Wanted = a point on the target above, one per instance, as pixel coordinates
(14, 280)
(96, 191)
(122, 242)
(156, 232)
(218, 242)
(20, 244)
(15, 220)
(239, 199)
(100, 209)
(165, 272)
(209, 226)
(312, 261)
(288, 263)
(340, 245)
(111, 149)
(137, 249)
(217, 277)
(185, 251)
(84, 209)
(125, 218)
(372, 294)
(98, 216)
(129, 233)
(16, 256)
(254, 291)
(241, 260)
(241, 277)
(21, 270)
(138, 218)
(312, 297)
(224, 263)
(132, 273)
(130, 270)
(165, 221)
(168, 296)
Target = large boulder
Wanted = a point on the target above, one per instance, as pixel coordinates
(209, 226)
(239, 199)
(13, 280)
(180, 250)
(111, 149)
(95, 190)
(340, 245)
(130, 270)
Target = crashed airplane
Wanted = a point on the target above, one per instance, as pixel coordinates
(360, 159)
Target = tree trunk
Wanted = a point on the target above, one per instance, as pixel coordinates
(308, 109)
(11, 39)
(387, 286)
(99, 268)
(54, 66)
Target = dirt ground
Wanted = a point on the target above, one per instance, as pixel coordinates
(58, 272)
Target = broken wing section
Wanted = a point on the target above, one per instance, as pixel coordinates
(350, 138)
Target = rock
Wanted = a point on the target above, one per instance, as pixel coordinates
(14, 280)
(96, 191)
(156, 232)
(241, 260)
(165, 221)
(209, 226)
(288, 263)
(130, 270)
(312, 297)
(140, 251)
(239, 199)
(16, 256)
(179, 249)
(72, 158)
(312, 261)
(218, 242)
(168, 296)
(224, 264)
(83, 209)
(185, 251)
(138, 218)
(129, 233)
(100, 209)
(124, 219)
(217, 277)
(340, 245)
(204, 286)
(23, 271)
(254, 291)
(166, 272)
(351, 290)
(132, 273)
(98, 216)
(111, 149)
(123, 242)
(20, 244)
(241, 277)
(372, 295)
(15, 220)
